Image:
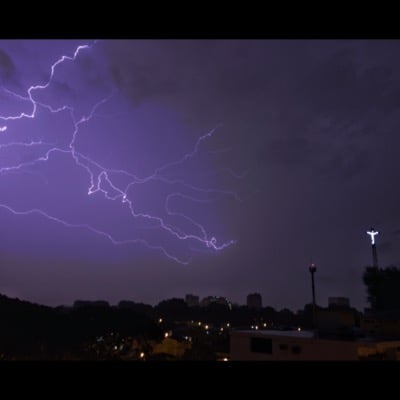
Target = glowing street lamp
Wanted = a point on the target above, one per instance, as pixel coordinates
(312, 268)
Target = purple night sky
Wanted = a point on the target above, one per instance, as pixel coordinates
(147, 169)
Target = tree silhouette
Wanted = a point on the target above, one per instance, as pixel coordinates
(383, 287)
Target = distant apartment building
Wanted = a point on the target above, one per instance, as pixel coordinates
(191, 300)
(254, 300)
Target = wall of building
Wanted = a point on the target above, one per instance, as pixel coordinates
(171, 347)
(389, 350)
(261, 347)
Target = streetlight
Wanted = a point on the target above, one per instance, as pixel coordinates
(313, 268)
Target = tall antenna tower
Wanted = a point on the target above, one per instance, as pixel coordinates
(372, 233)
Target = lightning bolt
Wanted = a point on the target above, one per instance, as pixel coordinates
(102, 179)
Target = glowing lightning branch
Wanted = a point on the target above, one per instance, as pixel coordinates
(25, 144)
(45, 86)
(101, 177)
(96, 231)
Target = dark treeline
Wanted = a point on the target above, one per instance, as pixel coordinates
(32, 331)
(383, 288)
(239, 316)
(35, 331)
(95, 329)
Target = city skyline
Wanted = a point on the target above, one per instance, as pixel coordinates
(148, 169)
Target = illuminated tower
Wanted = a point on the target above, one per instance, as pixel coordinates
(372, 233)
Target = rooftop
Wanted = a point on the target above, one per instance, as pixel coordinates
(295, 333)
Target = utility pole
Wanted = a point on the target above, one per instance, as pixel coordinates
(312, 268)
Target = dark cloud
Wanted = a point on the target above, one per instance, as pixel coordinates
(7, 68)
(321, 115)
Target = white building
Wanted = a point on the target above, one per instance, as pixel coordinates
(288, 345)
(272, 345)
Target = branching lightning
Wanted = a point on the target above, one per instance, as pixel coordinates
(102, 178)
